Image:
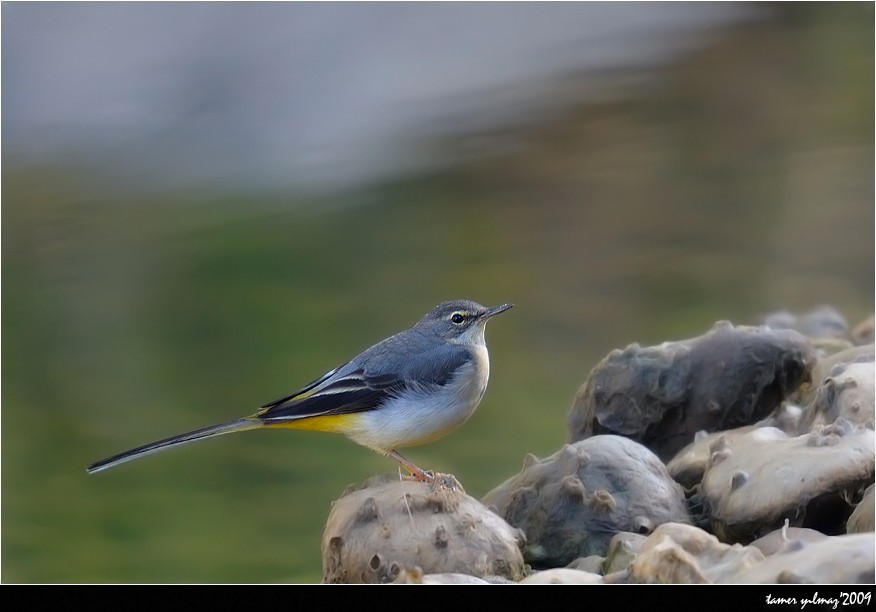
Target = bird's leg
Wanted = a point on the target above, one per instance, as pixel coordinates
(416, 473)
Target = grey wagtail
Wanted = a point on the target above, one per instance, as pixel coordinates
(412, 388)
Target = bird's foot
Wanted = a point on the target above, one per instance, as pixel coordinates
(420, 476)
(444, 482)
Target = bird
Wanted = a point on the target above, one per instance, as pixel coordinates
(409, 389)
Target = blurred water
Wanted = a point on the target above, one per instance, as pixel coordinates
(635, 206)
(298, 93)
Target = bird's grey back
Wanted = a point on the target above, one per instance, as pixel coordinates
(416, 354)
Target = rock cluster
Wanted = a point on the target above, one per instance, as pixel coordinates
(745, 455)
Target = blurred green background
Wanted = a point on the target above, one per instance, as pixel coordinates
(732, 182)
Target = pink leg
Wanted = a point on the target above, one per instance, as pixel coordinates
(416, 473)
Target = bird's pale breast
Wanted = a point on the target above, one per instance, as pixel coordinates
(423, 414)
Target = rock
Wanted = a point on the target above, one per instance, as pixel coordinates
(662, 395)
(622, 549)
(592, 564)
(843, 559)
(416, 576)
(757, 480)
(572, 503)
(825, 364)
(849, 391)
(677, 553)
(861, 519)
(388, 527)
(823, 322)
(786, 539)
(562, 575)
(689, 464)
(863, 332)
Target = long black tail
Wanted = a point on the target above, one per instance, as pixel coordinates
(154, 447)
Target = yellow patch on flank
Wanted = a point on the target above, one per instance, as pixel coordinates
(335, 423)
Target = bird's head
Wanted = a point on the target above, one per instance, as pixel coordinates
(460, 321)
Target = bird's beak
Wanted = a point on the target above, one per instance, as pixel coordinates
(495, 310)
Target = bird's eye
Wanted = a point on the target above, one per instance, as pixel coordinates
(457, 318)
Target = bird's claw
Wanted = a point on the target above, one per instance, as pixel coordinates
(420, 476)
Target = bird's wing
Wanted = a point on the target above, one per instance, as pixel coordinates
(351, 392)
(348, 389)
(305, 390)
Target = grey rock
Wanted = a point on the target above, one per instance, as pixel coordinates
(389, 528)
(663, 395)
(562, 575)
(786, 539)
(843, 559)
(848, 391)
(684, 554)
(755, 481)
(861, 519)
(823, 322)
(572, 503)
(689, 464)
